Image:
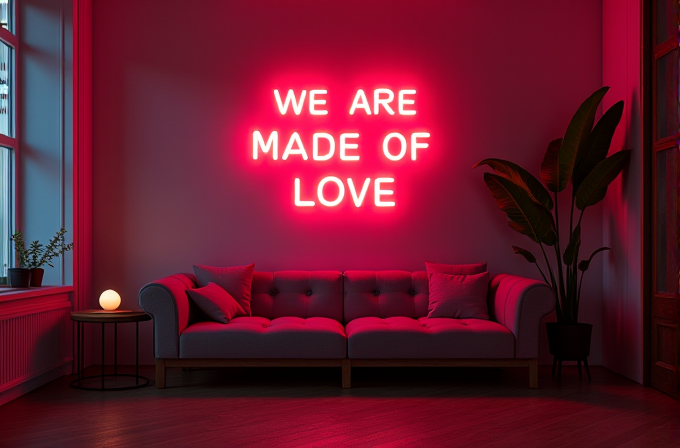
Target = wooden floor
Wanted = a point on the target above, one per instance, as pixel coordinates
(386, 407)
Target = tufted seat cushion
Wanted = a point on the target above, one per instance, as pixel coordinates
(259, 337)
(442, 338)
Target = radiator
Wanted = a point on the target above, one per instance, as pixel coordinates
(34, 340)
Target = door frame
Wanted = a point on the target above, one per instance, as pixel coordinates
(647, 112)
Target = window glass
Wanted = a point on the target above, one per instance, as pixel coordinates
(667, 221)
(6, 15)
(6, 127)
(666, 19)
(6, 200)
(667, 95)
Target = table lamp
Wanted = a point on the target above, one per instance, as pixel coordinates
(109, 300)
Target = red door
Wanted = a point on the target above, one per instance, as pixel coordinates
(665, 356)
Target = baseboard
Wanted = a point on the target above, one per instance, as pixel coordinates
(34, 383)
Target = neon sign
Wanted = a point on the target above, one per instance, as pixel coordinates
(395, 145)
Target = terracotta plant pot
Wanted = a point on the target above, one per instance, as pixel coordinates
(569, 343)
(19, 277)
(37, 277)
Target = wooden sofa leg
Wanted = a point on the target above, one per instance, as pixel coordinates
(346, 374)
(160, 374)
(533, 373)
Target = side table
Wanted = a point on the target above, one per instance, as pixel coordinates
(106, 317)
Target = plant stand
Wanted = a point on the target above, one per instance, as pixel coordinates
(558, 362)
(569, 343)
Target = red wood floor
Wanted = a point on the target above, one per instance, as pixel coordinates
(387, 407)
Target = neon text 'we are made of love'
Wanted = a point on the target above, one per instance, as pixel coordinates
(323, 146)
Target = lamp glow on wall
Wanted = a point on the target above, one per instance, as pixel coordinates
(109, 300)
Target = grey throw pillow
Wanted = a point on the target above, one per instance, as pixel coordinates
(216, 303)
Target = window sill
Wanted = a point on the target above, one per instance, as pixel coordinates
(8, 294)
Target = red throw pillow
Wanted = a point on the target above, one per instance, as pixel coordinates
(455, 269)
(458, 296)
(236, 280)
(216, 303)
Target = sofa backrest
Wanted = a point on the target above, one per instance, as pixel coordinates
(297, 293)
(385, 294)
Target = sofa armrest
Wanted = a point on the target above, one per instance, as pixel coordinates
(166, 300)
(519, 304)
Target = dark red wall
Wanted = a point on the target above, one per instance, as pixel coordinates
(179, 88)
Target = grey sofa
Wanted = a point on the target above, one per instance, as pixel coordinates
(355, 319)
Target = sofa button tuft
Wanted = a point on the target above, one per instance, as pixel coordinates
(309, 292)
(376, 292)
(412, 292)
(273, 292)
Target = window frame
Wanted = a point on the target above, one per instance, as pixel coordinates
(11, 39)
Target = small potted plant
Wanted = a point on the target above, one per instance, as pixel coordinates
(579, 159)
(19, 277)
(35, 257)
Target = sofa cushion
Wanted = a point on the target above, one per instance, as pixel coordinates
(455, 269)
(459, 296)
(385, 294)
(236, 280)
(259, 337)
(215, 302)
(297, 293)
(437, 338)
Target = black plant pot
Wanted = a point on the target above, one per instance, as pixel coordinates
(37, 277)
(569, 343)
(19, 277)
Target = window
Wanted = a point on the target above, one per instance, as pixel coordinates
(8, 138)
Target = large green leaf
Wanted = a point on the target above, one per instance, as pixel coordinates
(598, 143)
(558, 163)
(526, 216)
(521, 177)
(550, 168)
(571, 252)
(576, 136)
(525, 253)
(594, 186)
(585, 264)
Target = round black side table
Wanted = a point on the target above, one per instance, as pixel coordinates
(106, 317)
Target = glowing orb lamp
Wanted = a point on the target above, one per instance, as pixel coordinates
(109, 300)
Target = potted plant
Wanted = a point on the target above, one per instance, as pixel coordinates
(580, 159)
(19, 277)
(37, 255)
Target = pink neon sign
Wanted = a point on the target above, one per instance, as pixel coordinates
(322, 146)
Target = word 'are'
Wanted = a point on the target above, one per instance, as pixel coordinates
(381, 97)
